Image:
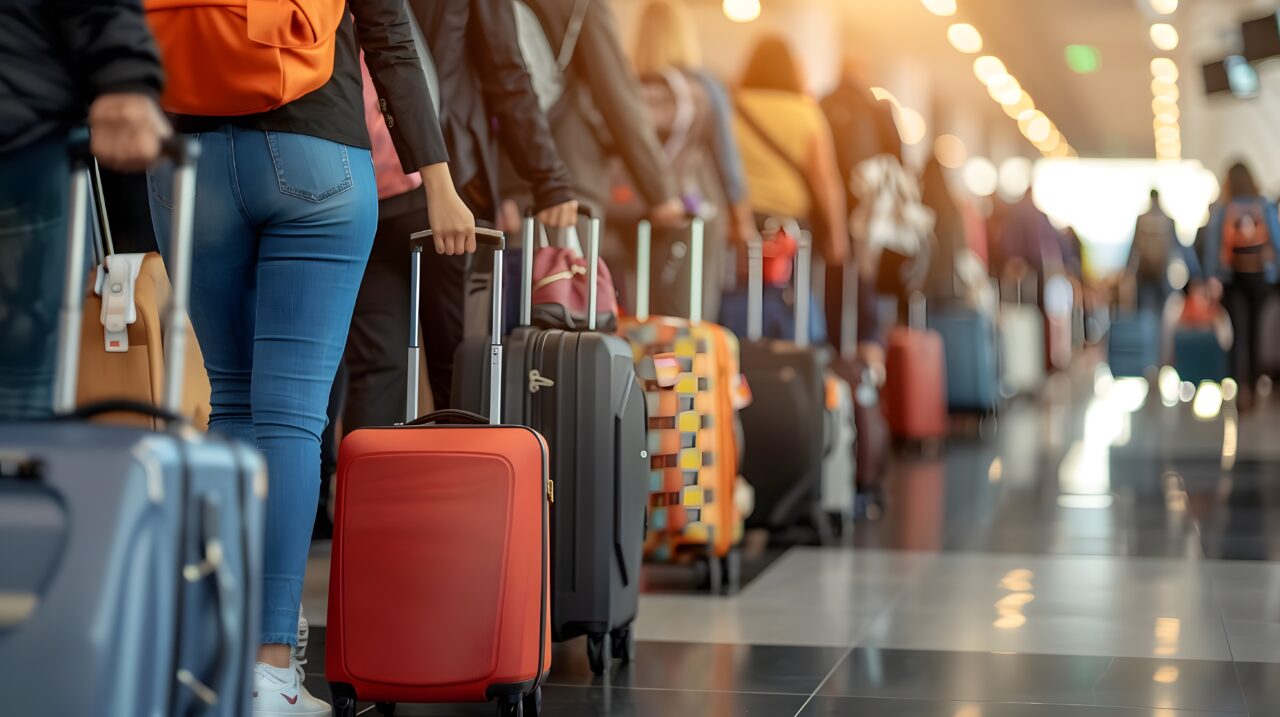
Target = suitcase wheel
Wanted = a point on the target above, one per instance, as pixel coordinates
(624, 644)
(344, 699)
(599, 652)
(508, 708)
(386, 708)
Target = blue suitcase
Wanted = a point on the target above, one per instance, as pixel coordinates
(1198, 356)
(1135, 343)
(132, 558)
(973, 370)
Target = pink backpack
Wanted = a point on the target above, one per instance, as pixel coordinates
(392, 180)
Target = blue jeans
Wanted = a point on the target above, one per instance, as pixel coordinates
(283, 227)
(33, 252)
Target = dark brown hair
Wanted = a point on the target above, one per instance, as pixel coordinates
(1240, 180)
(773, 67)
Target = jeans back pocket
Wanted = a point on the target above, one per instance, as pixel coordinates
(309, 168)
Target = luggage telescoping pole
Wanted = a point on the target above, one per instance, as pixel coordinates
(495, 240)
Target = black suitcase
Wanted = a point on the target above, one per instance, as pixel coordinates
(784, 426)
(579, 390)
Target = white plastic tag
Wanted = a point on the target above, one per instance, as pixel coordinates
(115, 283)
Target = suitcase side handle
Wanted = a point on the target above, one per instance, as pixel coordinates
(93, 410)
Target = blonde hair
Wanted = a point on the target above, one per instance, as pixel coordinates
(665, 38)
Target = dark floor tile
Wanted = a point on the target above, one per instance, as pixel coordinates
(697, 666)
(824, 706)
(976, 676)
(1261, 685)
(1177, 684)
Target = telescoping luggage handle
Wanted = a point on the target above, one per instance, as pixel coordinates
(184, 151)
(644, 259)
(529, 233)
(496, 240)
(803, 276)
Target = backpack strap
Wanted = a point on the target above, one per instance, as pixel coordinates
(685, 112)
(770, 143)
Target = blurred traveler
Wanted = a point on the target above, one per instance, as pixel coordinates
(486, 101)
(286, 216)
(1240, 267)
(1155, 244)
(58, 58)
(1028, 242)
(693, 116)
(862, 128)
(951, 274)
(600, 107)
(787, 149)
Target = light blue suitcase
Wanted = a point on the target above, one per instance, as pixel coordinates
(130, 575)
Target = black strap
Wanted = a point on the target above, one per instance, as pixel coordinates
(92, 410)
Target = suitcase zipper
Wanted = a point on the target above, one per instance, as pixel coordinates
(551, 491)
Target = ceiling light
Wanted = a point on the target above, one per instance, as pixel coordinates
(1006, 92)
(988, 67)
(1165, 69)
(1051, 143)
(1169, 116)
(950, 151)
(1038, 128)
(1164, 7)
(1062, 151)
(741, 10)
(1164, 36)
(1168, 133)
(965, 38)
(943, 8)
(1163, 121)
(980, 176)
(1083, 59)
(1163, 104)
(1022, 106)
(1164, 88)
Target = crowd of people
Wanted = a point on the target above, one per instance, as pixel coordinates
(433, 117)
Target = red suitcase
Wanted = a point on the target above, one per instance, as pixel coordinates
(915, 388)
(438, 590)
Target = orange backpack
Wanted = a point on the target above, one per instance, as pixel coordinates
(241, 57)
(1246, 241)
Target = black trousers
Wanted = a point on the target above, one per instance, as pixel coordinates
(1243, 298)
(377, 347)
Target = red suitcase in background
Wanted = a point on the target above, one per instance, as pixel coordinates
(915, 389)
(438, 590)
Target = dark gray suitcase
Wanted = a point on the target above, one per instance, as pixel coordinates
(579, 390)
(785, 424)
(130, 580)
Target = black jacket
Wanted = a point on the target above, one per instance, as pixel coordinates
(57, 56)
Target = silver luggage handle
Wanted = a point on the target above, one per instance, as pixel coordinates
(184, 152)
(644, 261)
(497, 241)
(802, 273)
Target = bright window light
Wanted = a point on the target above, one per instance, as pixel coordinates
(1165, 7)
(980, 176)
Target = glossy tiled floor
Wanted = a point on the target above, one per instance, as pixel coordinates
(1097, 554)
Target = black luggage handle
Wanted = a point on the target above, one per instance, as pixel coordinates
(644, 261)
(450, 415)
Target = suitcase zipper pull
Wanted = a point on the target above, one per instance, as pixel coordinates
(537, 381)
(551, 491)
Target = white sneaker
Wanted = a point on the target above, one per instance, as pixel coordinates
(277, 692)
(300, 652)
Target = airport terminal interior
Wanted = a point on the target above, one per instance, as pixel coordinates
(945, 384)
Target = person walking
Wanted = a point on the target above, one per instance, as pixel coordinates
(1243, 240)
(285, 216)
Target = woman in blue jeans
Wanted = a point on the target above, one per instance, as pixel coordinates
(285, 213)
